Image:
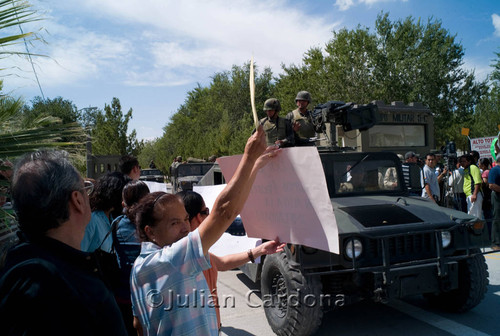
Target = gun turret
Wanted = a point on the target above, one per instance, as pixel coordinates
(350, 116)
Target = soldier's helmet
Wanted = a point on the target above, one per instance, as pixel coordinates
(272, 104)
(303, 95)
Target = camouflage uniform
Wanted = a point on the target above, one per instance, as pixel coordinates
(307, 130)
(278, 129)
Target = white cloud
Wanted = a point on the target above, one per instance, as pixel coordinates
(344, 5)
(496, 23)
(481, 70)
(160, 42)
(74, 54)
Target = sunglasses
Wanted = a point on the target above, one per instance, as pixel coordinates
(88, 187)
(205, 212)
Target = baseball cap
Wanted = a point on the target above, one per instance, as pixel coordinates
(410, 155)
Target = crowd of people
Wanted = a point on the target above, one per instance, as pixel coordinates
(466, 184)
(161, 240)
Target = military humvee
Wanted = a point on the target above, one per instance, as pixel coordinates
(392, 245)
(185, 175)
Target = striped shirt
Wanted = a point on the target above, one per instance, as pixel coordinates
(170, 295)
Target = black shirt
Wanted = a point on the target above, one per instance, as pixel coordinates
(50, 288)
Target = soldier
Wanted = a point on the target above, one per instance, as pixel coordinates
(302, 122)
(278, 130)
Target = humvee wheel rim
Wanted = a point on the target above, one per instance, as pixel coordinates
(279, 294)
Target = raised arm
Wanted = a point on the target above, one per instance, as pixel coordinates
(232, 198)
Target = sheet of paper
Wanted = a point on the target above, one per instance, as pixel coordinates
(227, 244)
(209, 193)
(289, 200)
(156, 186)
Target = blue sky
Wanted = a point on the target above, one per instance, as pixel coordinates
(150, 53)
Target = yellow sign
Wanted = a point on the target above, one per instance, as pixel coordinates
(465, 131)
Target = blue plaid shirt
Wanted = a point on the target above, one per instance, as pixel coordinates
(170, 295)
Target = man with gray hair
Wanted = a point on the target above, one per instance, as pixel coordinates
(46, 272)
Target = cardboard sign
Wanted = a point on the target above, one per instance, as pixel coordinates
(482, 145)
(289, 200)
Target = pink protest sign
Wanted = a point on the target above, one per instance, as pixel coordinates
(289, 200)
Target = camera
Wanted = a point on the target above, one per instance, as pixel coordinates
(449, 152)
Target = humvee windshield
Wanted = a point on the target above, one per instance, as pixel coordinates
(366, 174)
(150, 172)
(193, 169)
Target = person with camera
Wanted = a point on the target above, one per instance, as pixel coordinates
(278, 130)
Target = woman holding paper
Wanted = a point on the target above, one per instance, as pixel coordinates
(198, 211)
(167, 284)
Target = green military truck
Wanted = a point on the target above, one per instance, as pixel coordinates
(185, 175)
(392, 245)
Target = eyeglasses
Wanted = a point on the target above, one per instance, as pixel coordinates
(88, 187)
(205, 212)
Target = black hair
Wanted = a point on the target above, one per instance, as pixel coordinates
(468, 157)
(108, 193)
(193, 202)
(132, 193)
(485, 162)
(127, 163)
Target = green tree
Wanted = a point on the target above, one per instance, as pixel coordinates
(58, 107)
(214, 120)
(404, 61)
(148, 153)
(487, 113)
(16, 139)
(109, 131)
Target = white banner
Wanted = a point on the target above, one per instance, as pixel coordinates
(483, 146)
(289, 200)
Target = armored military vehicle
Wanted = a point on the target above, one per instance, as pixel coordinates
(392, 245)
(152, 174)
(185, 175)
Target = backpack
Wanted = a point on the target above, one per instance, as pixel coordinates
(107, 265)
(126, 253)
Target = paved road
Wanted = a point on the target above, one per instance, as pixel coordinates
(409, 317)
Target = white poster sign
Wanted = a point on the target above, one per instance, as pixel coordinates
(289, 200)
(482, 145)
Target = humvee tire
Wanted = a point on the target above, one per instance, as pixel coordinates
(293, 305)
(472, 286)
